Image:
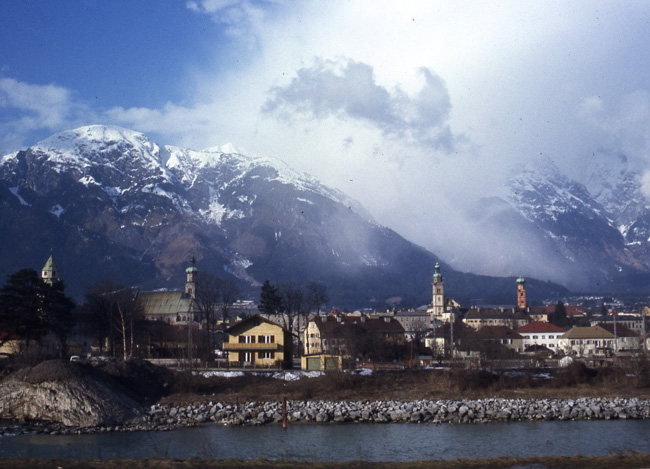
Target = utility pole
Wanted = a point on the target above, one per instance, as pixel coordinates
(452, 317)
(190, 313)
(615, 336)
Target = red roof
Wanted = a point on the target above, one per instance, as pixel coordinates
(540, 327)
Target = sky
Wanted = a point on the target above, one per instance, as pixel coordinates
(413, 108)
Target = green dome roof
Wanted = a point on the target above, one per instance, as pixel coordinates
(192, 267)
(437, 274)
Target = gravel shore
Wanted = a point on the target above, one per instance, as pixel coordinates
(164, 418)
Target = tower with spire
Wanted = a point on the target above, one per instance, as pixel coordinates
(521, 293)
(192, 277)
(50, 273)
(438, 302)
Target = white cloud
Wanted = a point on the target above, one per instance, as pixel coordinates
(47, 105)
(26, 108)
(347, 89)
(238, 17)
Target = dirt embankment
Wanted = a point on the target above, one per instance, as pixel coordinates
(79, 394)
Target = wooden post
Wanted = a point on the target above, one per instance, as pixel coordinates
(284, 412)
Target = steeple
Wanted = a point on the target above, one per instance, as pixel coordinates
(521, 293)
(192, 276)
(50, 273)
(438, 303)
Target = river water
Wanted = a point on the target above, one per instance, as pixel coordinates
(347, 442)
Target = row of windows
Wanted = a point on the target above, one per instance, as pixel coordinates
(248, 356)
(261, 339)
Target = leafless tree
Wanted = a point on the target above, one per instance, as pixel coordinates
(115, 310)
(317, 295)
(229, 293)
(207, 296)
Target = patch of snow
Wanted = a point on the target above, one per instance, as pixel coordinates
(299, 199)
(14, 191)
(88, 180)
(57, 210)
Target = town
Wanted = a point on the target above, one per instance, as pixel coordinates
(205, 325)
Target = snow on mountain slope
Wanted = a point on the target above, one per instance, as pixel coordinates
(113, 193)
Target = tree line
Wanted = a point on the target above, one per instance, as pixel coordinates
(290, 302)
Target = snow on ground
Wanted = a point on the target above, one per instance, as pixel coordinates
(292, 375)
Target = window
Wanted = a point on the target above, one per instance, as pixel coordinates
(266, 339)
(265, 355)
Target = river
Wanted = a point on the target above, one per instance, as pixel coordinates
(347, 442)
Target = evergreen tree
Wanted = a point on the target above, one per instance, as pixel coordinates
(30, 307)
(559, 316)
(270, 299)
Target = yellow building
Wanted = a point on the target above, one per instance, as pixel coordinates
(256, 341)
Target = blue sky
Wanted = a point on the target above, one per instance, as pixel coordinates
(411, 107)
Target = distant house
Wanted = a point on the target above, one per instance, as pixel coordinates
(541, 313)
(540, 333)
(626, 339)
(481, 317)
(439, 340)
(415, 323)
(587, 342)
(256, 341)
(494, 336)
(631, 322)
(329, 335)
(351, 335)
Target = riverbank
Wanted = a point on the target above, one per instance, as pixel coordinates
(153, 398)
(627, 461)
(165, 418)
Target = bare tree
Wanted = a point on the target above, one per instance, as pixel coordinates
(292, 303)
(317, 295)
(229, 293)
(207, 295)
(115, 310)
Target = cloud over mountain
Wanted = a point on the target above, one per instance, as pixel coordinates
(346, 89)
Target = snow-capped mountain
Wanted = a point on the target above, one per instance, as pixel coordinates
(112, 203)
(589, 236)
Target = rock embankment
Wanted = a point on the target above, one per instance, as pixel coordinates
(441, 411)
(163, 418)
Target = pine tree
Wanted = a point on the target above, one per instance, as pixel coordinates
(270, 300)
(30, 307)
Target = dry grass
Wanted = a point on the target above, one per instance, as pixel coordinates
(575, 381)
(628, 461)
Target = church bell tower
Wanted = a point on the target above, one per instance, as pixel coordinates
(192, 277)
(521, 293)
(438, 303)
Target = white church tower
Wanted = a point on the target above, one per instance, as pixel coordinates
(192, 277)
(438, 303)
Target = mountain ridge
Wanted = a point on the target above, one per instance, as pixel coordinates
(113, 203)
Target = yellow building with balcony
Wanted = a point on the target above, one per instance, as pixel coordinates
(258, 342)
